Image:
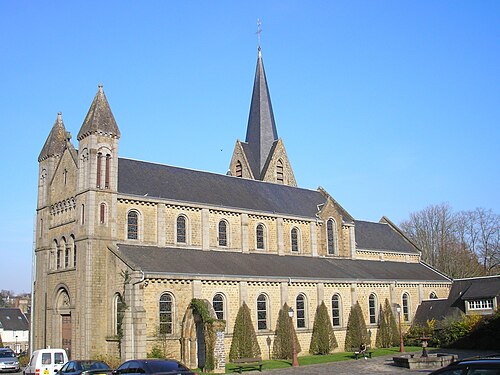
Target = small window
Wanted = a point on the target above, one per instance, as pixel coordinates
(336, 310)
(481, 304)
(107, 170)
(259, 233)
(406, 307)
(239, 169)
(218, 305)
(279, 172)
(58, 260)
(74, 255)
(46, 359)
(58, 358)
(330, 234)
(102, 213)
(181, 229)
(83, 214)
(99, 167)
(433, 295)
(300, 308)
(66, 257)
(133, 225)
(372, 307)
(262, 312)
(166, 314)
(295, 240)
(222, 233)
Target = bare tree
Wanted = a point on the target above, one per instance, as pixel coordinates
(463, 244)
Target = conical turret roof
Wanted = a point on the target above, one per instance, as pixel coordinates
(56, 141)
(99, 119)
(261, 128)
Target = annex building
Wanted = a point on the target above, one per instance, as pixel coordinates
(123, 246)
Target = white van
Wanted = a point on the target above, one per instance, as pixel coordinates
(46, 362)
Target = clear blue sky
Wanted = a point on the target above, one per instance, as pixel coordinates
(389, 105)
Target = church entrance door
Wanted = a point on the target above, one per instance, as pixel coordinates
(66, 333)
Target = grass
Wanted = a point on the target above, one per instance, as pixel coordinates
(317, 359)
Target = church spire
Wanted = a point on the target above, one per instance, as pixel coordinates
(99, 118)
(261, 128)
(56, 141)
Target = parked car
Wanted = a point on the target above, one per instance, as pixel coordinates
(153, 366)
(85, 367)
(472, 366)
(8, 360)
(46, 362)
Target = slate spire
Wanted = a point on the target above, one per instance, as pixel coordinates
(56, 141)
(261, 128)
(99, 118)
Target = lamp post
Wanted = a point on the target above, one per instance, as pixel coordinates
(15, 348)
(401, 344)
(295, 362)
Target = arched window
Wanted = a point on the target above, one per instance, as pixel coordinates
(119, 312)
(82, 219)
(336, 308)
(406, 307)
(73, 248)
(102, 213)
(260, 237)
(300, 308)
(66, 256)
(330, 234)
(262, 312)
(294, 234)
(239, 169)
(222, 233)
(279, 172)
(99, 167)
(166, 314)
(181, 229)
(433, 295)
(133, 225)
(106, 171)
(218, 305)
(372, 307)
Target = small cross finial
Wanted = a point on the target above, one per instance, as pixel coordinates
(259, 30)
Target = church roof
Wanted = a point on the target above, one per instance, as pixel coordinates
(380, 236)
(163, 181)
(56, 141)
(12, 319)
(261, 129)
(156, 260)
(99, 118)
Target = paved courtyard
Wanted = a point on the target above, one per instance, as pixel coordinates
(373, 366)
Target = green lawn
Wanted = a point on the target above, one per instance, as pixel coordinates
(315, 359)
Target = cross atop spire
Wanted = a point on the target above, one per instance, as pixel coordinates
(259, 30)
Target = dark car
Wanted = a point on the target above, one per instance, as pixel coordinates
(153, 366)
(8, 360)
(85, 367)
(472, 366)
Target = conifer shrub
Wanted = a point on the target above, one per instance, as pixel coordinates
(282, 346)
(388, 332)
(356, 332)
(244, 343)
(323, 339)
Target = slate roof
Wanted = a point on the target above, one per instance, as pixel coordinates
(99, 118)
(261, 128)
(454, 305)
(12, 319)
(380, 236)
(56, 141)
(152, 259)
(186, 185)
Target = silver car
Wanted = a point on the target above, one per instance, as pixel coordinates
(8, 361)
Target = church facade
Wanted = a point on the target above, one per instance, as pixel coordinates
(123, 246)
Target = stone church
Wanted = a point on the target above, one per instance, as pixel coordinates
(123, 246)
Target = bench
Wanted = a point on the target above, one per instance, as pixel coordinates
(357, 354)
(242, 363)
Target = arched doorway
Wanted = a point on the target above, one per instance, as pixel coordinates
(193, 337)
(63, 311)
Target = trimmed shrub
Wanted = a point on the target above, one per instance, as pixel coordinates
(388, 332)
(244, 343)
(356, 333)
(454, 330)
(282, 346)
(323, 339)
